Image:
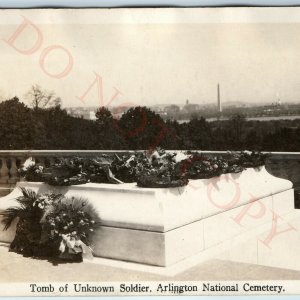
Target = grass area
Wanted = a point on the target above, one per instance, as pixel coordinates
(297, 197)
(288, 169)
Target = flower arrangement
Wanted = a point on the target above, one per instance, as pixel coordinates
(247, 159)
(65, 172)
(51, 225)
(124, 167)
(31, 171)
(158, 169)
(70, 223)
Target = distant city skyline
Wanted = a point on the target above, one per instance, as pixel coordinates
(155, 63)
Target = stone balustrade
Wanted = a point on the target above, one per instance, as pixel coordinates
(278, 163)
(11, 161)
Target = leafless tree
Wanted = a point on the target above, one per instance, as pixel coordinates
(39, 98)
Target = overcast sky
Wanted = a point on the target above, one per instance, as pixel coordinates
(156, 63)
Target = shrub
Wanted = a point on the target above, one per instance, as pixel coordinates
(51, 225)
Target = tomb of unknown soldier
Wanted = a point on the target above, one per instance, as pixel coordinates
(245, 216)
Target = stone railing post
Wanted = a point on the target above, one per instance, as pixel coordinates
(22, 161)
(14, 174)
(4, 172)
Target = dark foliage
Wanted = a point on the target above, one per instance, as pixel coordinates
(138, 128)
(29, 212)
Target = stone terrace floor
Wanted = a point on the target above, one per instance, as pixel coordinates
(16, 268)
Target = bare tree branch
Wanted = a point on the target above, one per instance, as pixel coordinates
(39, 98)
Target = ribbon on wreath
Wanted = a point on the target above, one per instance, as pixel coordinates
(74, 246)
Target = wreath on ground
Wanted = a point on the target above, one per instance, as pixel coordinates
(52, 226)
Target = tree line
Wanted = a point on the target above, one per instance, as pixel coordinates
(50, 127)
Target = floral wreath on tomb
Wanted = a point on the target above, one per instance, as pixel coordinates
(158, 169)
